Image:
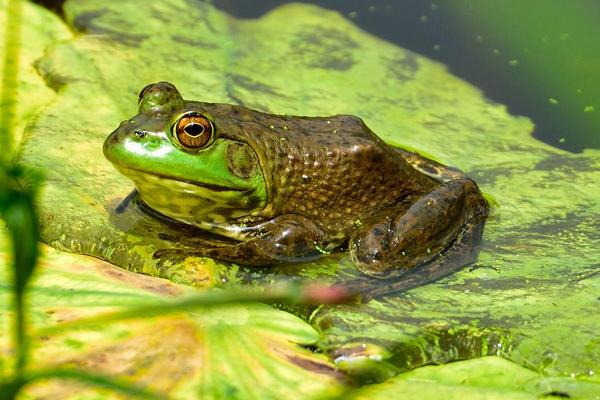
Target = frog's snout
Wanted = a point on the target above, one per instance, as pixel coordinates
(111, 141)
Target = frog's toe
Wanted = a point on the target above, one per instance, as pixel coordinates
(168, 253)
(369, 255)
(201, 252)
(377, 253)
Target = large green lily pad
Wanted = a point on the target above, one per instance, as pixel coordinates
(482, 378)
(536, 285)
(236, 351)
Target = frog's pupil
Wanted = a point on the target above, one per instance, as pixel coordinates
(193, 129)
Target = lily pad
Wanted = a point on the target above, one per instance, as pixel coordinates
(38, 29)
(236, 351)
(531, 295)
(483, 378)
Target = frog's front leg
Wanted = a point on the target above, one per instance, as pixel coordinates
(401, 237)
(283, 239)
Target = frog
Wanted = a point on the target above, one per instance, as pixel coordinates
(283, 188)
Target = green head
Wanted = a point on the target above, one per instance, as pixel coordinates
(181, 165)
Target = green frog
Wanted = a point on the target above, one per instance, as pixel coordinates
(291, 188)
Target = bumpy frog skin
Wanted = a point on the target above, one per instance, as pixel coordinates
(289, 188)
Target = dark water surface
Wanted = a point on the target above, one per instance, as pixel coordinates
(541, 58)
(561, 52)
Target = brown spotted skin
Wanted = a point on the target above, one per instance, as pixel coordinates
(333, 170)
(343, 182)
(331, 181)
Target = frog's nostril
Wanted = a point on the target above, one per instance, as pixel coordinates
(140, 134)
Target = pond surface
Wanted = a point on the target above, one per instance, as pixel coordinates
(539, 58)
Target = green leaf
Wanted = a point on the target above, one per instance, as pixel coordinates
(240, 351)
(484, 378)
(535, 287)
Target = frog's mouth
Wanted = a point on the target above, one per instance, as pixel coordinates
(193, 203)
(139, 177)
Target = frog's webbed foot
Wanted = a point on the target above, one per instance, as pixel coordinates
(438, 234)
(127, 200)
(208, 248)
(283, 239)
(193, 245)
(195, 241)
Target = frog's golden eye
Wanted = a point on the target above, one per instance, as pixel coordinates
(193, 131)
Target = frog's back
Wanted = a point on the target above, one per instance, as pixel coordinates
(331, 169)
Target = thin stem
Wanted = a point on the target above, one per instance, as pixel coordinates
(21, 340)
(290, 293)
(23, 225)
(100, 380)
(8, 97)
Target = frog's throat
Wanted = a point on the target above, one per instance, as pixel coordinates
(195, 204)
(139, 176)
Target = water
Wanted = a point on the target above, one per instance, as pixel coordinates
(542, 61)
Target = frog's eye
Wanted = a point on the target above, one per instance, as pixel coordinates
(193, 131)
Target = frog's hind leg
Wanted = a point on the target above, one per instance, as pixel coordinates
(286, 238)
(436, 235)
(460, 253)
(439, 172)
